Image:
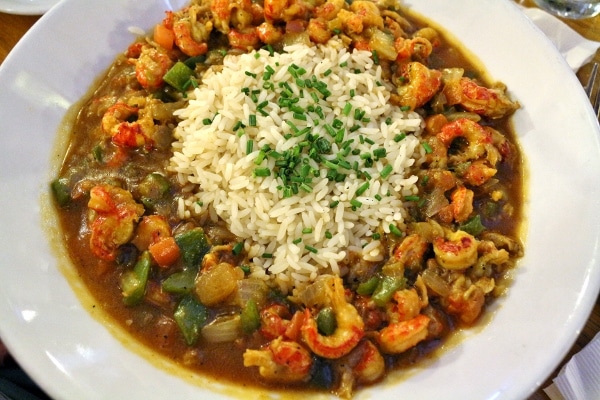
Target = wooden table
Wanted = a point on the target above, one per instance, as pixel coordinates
(13, 27)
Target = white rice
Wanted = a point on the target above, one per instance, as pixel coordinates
(212, 160)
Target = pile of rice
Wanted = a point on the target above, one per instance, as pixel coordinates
(291, 240)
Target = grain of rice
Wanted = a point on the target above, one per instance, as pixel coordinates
(212, 160)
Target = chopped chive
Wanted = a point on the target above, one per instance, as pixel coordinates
(330, 164)
(249, 146)
(399, 137)
(267, 255)
(306, 188)
(296, 241)
(207, 121)
(355, 203)
(405, 108)
(328, 235)
(262, 172)
(352, 92)
(306, 231)
(329, 129)
(380, 152)
(394, 229)
(257, 55)
(411, 198)
(344, 164)
(347, 109)
(344, 64)
(311, 249)
(292, 126)
(252, 120)
(252, 74)
(237, 249)
(319, 112)
(375, 57)
(328, 72)
(362, 188)
(334, 204)
(386, 171)
(314, 97)
(359, 114)
(246, 269)
(427, 148)
(238, 125)
(378, 197)
(299, 116)
(376, 236)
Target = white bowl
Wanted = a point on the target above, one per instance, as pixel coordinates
(47, 319)
(26, 7)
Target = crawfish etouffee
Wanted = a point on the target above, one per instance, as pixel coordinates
(306, 194)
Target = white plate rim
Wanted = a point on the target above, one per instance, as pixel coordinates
(32, 7)
(52, 364)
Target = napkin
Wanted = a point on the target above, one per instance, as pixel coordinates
(579, 379)
(576, 49)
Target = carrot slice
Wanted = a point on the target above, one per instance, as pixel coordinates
(165, 252)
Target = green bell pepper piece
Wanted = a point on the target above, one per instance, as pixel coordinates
(134, 281)
(190, 315)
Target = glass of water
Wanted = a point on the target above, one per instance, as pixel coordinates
(574, 9)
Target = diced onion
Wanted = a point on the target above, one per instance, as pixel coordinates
(222, 329)
(383, 44)
(435, 202)
(252, 289)
(317, 293)
(435, 282)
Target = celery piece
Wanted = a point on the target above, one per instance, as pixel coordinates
(190, 316)
(178, 76)
(61, 191)
(367, 288)
(153, 188)
(386, 288)
(250, 318)
(180, 282)
(133, 281)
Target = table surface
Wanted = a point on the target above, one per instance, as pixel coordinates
(13, 27)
